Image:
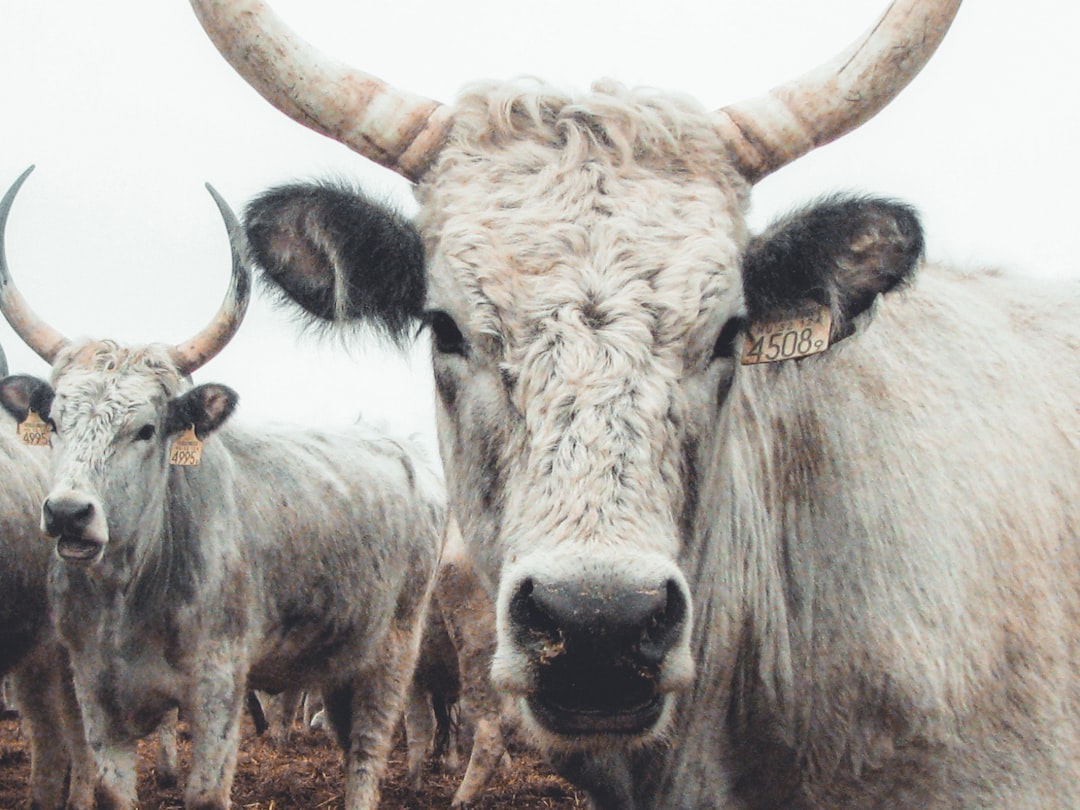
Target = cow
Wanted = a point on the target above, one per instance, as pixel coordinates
(33, 663)
(786, 519)
(196, 558)
(452, 703)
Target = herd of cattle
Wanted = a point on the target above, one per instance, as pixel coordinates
(788, 519)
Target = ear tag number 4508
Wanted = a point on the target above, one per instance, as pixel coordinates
(788, 338)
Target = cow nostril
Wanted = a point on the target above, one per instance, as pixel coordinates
(529, 614)
(664, 626)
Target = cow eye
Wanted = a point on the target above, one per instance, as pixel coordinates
(447, 337)
(145, 434)
(725, 342)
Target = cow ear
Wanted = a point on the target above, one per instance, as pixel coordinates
(205, 407)
(841, 252)
(20, 394)
(339, 256)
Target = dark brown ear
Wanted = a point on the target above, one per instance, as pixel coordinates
(339, 256)
(20, 394)
(205, 407)
(840, 252)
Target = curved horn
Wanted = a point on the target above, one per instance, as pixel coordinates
(215, 335)
(37, 334)
(769, 132)
(400, 131)
(3, 363)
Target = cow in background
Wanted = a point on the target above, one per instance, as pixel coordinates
(453, 707)
(847, 578)
(196, 557)
(32, 661)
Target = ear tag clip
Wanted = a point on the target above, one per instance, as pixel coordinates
(186, 451)
(34, 431)
(800, 334)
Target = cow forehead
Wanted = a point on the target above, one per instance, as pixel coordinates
(619, 206)
(106, 383)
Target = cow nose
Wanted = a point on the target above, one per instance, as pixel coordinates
(66, 515)
(644, 622)
(597, 650)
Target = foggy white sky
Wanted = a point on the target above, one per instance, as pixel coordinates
(126, 109)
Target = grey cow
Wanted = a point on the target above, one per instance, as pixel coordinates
(281, 558)
(849, 578)
(30, 652)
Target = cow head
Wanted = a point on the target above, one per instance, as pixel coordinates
(114, 411)
(577, 260)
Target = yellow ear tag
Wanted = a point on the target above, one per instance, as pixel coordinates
(186, 451)
(34, 431)
(799, 335)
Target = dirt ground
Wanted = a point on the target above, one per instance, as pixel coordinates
(307, 775)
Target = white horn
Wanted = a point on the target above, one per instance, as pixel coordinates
(395, 129)
(769, 132)
(37, 334)
(216, 335)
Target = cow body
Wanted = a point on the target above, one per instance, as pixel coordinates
(847, 579)
(857, 569)
(30, 652)
(283, 559)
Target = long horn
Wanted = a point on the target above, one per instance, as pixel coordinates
(3, 363)
(37, 334)
(215, 335)
(769, 132)
(395, 129)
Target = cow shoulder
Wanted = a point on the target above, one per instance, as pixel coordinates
(840, 252)
(339, 255)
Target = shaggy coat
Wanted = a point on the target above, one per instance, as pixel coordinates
(30, 653)
(285, 558)
(847, 580)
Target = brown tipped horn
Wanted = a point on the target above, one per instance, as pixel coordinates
(37, 334)
(769, 132)
(395, 129)
(216, 334)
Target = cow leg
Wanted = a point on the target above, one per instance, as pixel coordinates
(82, 775)
(447, 731)
(369, 710)
(488, 747)
(280, 711)
(313, 706)
(419, 731)
(116, 762)
(37, 693)
(167, 768)
(214, 716)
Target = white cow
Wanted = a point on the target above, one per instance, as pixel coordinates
(32, 660)
(850, 578)
(196, 558)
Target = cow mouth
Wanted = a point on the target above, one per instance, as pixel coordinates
(577, 720)
(77, 549)
(585, 697)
